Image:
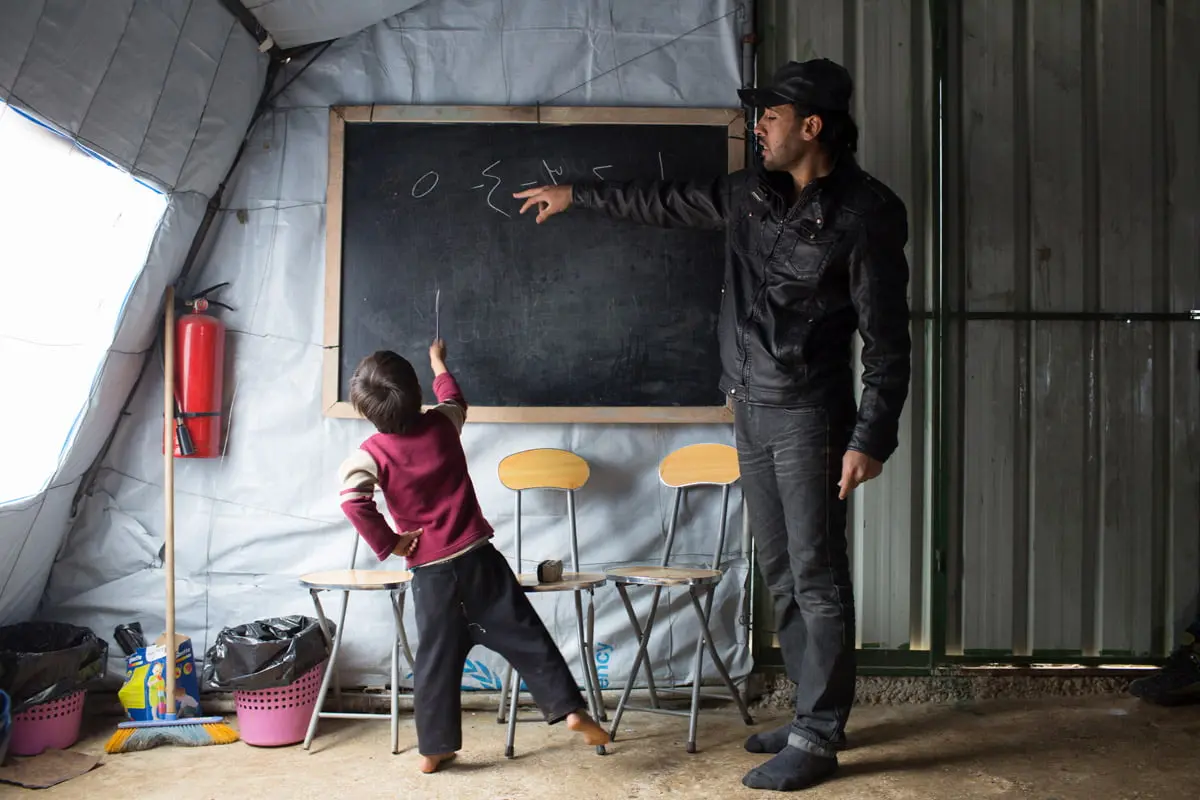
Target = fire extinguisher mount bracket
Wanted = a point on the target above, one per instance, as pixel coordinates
(200, 301)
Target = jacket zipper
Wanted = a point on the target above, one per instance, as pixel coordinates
(760, 295)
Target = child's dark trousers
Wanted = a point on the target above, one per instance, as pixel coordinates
(475, 599)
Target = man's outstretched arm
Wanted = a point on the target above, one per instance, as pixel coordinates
(665, 204)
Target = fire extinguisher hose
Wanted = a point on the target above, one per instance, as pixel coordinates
(183, 438)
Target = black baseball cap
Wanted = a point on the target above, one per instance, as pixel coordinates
(819, 84)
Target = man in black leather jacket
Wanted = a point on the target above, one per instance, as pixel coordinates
(815, 251)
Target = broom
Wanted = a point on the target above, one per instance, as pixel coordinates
(189, 731)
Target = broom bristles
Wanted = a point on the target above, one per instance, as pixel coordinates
(128, 740)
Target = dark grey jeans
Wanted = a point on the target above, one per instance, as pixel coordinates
(791, 462)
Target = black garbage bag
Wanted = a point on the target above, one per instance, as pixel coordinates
(265, 654)
(43, 661)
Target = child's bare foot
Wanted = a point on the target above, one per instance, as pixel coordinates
(431, 764)
(593, 734)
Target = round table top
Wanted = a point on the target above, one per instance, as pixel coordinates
(357, 579)
(664, 576)
(571, 582)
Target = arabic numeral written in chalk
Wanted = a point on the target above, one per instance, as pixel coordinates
(418, 188)
(555, 174)
(487, 174)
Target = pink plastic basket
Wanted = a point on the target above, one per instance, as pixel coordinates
(275, 717)
(48, 725)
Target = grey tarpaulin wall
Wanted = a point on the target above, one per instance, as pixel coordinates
(165, 90)
(248, 524)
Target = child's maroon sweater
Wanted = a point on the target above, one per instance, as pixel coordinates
(423, 476)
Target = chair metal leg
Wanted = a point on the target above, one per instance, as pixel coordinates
(637, 633)
(643, 641)
(396, 674)
(695, 709)
(584, 653)
(408, 656)
(515, 688)
(505, 685)
(585, 656)
(716, 657)
(337, 682)
(591, 625)
(698, 664)
(330, 667)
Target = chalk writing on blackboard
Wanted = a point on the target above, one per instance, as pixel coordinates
(432, 185)
(497, 180)
(429, 181)
(553, 172)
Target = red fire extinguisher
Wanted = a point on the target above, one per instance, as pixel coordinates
(199, 377)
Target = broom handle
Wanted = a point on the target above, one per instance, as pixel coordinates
(169, 490)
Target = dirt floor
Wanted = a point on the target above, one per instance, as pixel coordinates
(1065, 748)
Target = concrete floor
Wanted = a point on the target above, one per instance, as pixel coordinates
(1113, 747)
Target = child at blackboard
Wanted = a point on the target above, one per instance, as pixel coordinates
(465, 592)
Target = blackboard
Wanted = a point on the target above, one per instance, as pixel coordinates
(579, 319)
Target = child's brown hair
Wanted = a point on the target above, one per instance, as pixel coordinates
(385, 390)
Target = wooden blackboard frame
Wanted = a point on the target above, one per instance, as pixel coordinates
(340, 116)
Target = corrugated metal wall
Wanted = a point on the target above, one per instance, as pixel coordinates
(886, 46)
(1073, 214)
(1071, 414)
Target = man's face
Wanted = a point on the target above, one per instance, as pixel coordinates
(784, 137)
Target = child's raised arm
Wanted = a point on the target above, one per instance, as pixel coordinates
(450, 397)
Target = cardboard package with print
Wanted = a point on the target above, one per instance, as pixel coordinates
(144, 695)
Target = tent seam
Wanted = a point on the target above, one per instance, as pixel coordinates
(275, 225)
(107, 67)
(162, 89)
(28, 48)
(207, 99)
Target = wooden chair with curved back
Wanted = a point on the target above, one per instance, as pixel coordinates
(554, 470)
(685, 469)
